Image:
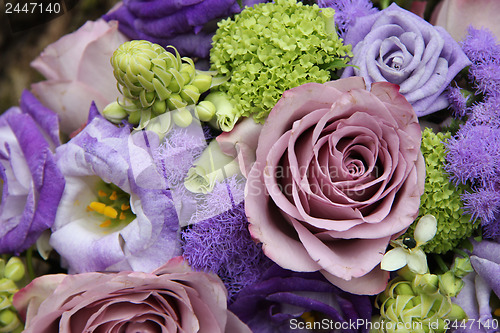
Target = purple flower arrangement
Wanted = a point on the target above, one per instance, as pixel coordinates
(162, 179)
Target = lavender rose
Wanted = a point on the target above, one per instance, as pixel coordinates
(32, 185)
(284, 301)
(171, 299)
(338, 173)
(397, 46)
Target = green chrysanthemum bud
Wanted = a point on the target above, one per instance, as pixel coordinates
(153, 81)
(114, 112)
(442, 198)
(205, 110)
(14, 270)
(417, 306)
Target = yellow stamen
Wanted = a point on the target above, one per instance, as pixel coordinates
(122, 216)
(105, 224)
(113, 196)
(497, 312)
(97, 206)
(101, 193)
(124, 207)
(110, 212)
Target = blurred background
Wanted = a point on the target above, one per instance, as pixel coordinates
(21, 42)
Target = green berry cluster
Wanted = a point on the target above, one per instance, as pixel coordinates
(152, 82)
(10, 273)
(442, 198)
(272, 47)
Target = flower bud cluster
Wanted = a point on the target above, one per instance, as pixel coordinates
(421, 300)
(10, 273)
(442, 198)
(154, 81)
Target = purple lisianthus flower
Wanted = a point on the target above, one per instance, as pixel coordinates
(400, 47)
(474, 298)
(32, 184)
(183, 24)
(286, 301)
(115, 213)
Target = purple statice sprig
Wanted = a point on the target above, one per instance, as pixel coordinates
(347, 11)
(222, 243)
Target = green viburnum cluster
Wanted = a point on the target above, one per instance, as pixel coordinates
(154, 81)
(10, 273)
(272, 47)
(418, 303)
(442, 198)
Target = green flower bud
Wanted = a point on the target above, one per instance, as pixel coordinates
(161, 124)
(449, 284)
(7, 285)
(134, 118)
(226, 114)
(159, 107)
(114, 112)
(202, 82)
(182, 117)
(9, 322)
(205, 110)
(461, 267)
(190, 94)
(14, 270)
(176, 102)
(426, 283)
(188, 71)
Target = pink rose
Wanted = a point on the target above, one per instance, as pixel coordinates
(171, 299)
(78, 71)
(456, 15)
(338, 173)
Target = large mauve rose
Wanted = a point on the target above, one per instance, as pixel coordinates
(78, 71)
(171, 299)
(338, 173)
(397, 46)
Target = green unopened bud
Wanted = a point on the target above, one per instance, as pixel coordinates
(461, 267)
(182, 117)
(159, 107)
(14, 270)
(403, 288)
(9, 322)
(134, 118)
(190, 94)
(7, 285)
(426, 283)
(161, 124)
(202, 82)
(226, 114)
(114, 112)
(177, 82)
(187, 71)
(176, 102)
(205, 110)
(449, 284)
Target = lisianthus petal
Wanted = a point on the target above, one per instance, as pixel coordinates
(417, 261)
(426, 229)
(394, 259)
(489, 271)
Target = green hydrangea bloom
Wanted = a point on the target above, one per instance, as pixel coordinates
(272, 47)
(442, 198)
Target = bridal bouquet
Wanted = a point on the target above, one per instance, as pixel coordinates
(253, 166)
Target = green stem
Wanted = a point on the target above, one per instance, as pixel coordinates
(385, 3)
(461, 253)
(29, 264)
(441, 263)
